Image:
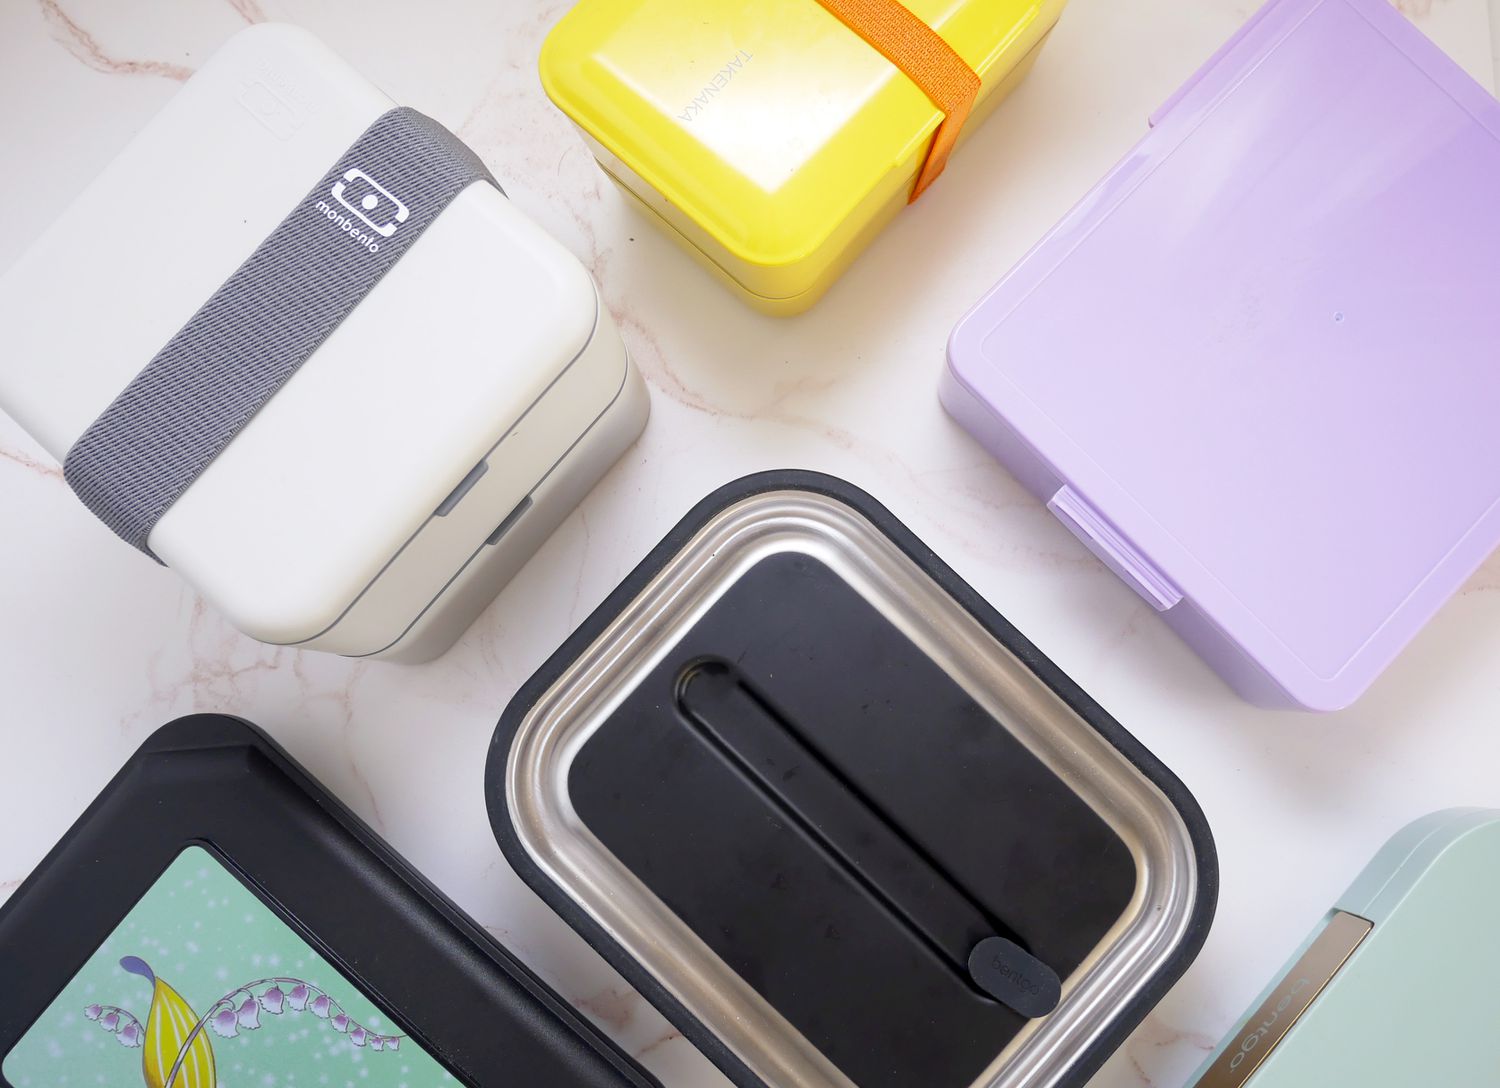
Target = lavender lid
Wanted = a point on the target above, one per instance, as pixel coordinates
(1257, 369)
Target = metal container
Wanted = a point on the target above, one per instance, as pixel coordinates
(839, 820)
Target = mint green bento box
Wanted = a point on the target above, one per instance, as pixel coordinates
(1396, 988)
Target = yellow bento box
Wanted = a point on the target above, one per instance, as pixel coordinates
(773, 139)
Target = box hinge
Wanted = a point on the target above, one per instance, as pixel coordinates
(1113, 550)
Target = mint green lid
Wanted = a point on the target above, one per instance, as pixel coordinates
(1411, 1000)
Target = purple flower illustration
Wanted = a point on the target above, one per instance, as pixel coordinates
(224, 1023)
(126, 1028)
(249, 1014)
(238, 1011)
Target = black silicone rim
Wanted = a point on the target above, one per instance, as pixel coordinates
(1131, 1014)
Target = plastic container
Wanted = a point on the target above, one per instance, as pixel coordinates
(766, 135)
(841, 822)
(1253, 369)
(1393, 987)
(216, 909)
(427, 447)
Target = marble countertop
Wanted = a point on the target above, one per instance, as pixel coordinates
(98, 647)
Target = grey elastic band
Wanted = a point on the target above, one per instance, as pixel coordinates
(186, 406)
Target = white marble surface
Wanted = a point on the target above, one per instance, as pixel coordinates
(97, 646)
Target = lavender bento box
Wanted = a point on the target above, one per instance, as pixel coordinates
(1257, 369)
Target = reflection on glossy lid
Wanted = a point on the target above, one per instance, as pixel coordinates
(766, 121)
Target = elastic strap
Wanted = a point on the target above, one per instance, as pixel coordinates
(268, 318)
(930, 62)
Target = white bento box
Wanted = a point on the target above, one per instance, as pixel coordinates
(378, 501)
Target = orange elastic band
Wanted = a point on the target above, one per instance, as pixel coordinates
(920, 52)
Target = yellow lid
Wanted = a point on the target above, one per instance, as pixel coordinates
(767, 124)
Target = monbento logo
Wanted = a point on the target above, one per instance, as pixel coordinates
(1015, 976)
(372, 204)
(1251, 1041)
(712, 88)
